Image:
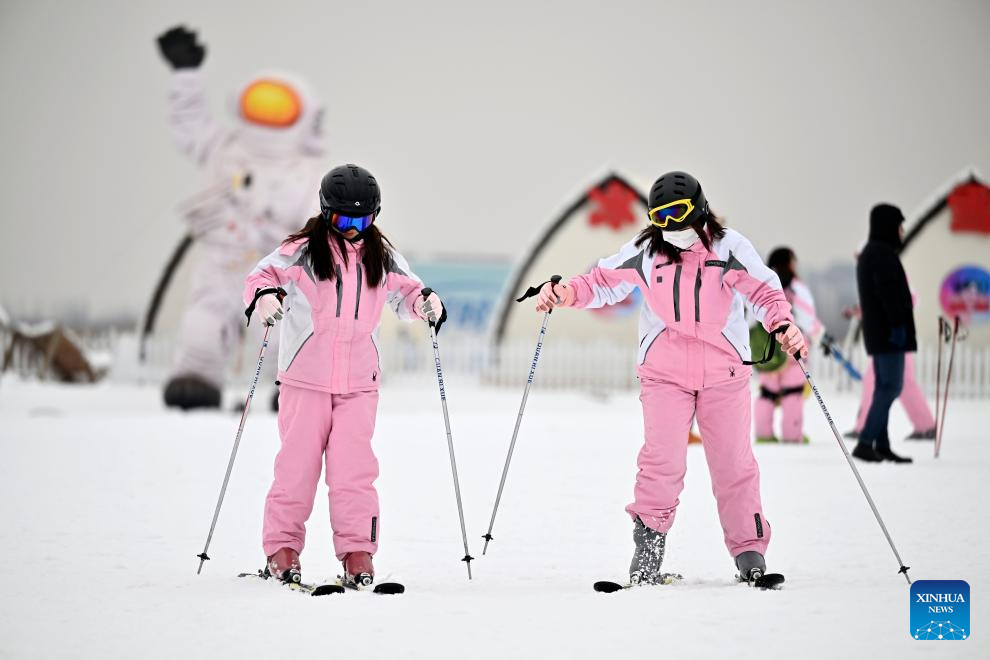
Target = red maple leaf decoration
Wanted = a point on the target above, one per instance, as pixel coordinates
(614, 205)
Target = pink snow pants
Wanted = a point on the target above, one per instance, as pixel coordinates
(723, 413)
(791, 406)
(912, 397)
(335, 429)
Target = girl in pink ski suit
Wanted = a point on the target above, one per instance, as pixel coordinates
(786, 384)
(338, 273)
(694, 276)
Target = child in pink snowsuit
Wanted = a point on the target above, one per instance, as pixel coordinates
(693, 352)
(338, 273)
(786, 384)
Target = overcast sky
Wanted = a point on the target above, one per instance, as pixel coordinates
(482, 120)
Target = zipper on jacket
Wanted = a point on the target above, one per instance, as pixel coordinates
(340, 286)
(697, 297)
(357, 303)
(677, 293)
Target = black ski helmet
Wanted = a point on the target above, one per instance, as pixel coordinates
(674, 186)
(349, 190)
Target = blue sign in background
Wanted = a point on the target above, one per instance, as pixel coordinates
(940, 610)
(470, 289)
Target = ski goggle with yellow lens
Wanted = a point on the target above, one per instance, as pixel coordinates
(345, 222)
(677, 211)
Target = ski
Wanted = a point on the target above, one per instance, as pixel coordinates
(771, 581)
(383, 589)
(301, 587)
(608, 587)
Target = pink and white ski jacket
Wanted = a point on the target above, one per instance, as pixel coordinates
(803, 306)
(328, 334)
(692, 330)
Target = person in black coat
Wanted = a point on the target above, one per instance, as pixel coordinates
(888, 326)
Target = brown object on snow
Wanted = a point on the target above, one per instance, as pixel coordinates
(49, 350)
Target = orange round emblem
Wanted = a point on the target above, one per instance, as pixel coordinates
(270, 103)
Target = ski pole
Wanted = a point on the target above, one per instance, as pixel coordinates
(203, 557)
(522, 407)
(446, 420)
(838, 438)
(948, 379)
(938, 370)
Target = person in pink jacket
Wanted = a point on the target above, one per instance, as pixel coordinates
(694, 359)
(786, 385)
(336, 274)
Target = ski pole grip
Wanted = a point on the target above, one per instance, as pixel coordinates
(535, 290)
(426, 292)
(781, 329)
(554, 279)
(277, 290)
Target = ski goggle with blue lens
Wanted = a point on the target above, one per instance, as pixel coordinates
(344, 222)
(673, 212)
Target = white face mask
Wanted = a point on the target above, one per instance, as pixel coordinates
(682, 239)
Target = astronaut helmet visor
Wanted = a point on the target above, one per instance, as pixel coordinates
(344, 222)
(271, 103)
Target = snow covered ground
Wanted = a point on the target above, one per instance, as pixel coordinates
(105, 499)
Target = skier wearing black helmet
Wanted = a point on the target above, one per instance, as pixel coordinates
(337, 274)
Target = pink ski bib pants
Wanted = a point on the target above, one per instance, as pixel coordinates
(329, 374)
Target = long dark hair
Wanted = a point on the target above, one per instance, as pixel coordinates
(376, 255)
(781, 261)
(707, 226)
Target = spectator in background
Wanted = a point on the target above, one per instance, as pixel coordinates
(912, 399)
(888, 327)
(785, 386)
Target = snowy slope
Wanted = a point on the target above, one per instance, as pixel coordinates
(109, 498)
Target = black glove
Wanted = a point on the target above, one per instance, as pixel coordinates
(827, 342)
(179, 47)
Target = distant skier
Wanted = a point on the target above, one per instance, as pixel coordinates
(786, 385)
(888, 326)
(693, 360)
(338, 272)
(260, 177)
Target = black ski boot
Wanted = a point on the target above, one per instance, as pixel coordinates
(648, 556)
(753, 571)
(751, 565)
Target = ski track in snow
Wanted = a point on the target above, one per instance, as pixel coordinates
(110, 497)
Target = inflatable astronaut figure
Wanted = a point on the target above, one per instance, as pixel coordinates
(262, 181)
